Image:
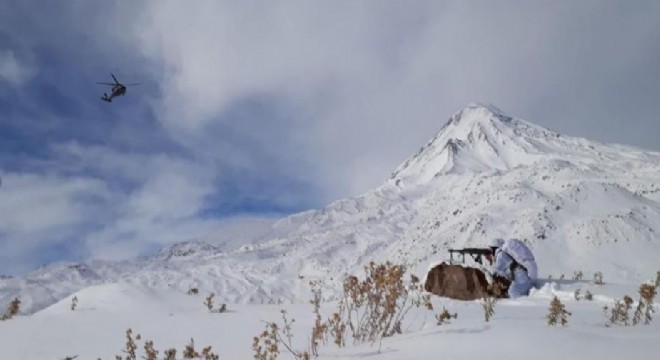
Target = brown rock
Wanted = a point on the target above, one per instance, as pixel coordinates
(458, 282)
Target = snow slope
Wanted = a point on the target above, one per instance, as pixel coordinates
(579, 204)
(517, 331)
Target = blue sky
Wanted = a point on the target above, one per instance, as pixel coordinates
(256, 110)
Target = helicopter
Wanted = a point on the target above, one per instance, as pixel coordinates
(117, 89)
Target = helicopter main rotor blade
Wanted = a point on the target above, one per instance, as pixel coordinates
(136, 84)
(114, 78)
(102, 83)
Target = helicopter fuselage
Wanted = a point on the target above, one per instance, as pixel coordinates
(117, 89)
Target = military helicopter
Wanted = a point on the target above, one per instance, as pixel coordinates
(117, 89)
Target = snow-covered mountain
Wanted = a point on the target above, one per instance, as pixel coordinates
(579, 204)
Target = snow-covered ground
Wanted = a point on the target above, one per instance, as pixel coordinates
(96, 329)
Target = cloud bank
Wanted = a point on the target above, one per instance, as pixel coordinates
(253, 109)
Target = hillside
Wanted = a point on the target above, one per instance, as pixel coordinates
(579, 204)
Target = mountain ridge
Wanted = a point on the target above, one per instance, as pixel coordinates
(579, 204)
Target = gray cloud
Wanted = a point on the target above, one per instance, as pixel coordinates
(13, 70)
(376, 79)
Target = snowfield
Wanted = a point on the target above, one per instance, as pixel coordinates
(578, 204)
(170, 318)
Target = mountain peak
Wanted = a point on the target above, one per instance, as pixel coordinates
(479, 138)
(476, 112)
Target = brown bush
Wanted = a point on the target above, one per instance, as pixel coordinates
(619, 313)
(266, 346)
(490, 299)
(375, 306)
(558, 313)
(12, 310)
(645, 307)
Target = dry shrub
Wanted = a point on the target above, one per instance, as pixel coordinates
(208, 302)
(576, 294)
(193, 291)
(207, 354)
(74, 303)
(558, 313)
(647, 294)
(444, 317)
(266, 346)
(375, 306)
(371, 308)
(657, 279)
(130, 346)
(337, 328)
(320, 328)
(189, 352)
(70, 357)
(619, 313)
(588, 295)
(12, 310)
(577, 275)
(170, 354)
(598, 278)
(490, 299)
(152, 354)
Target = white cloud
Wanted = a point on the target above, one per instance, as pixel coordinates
(41, 211)
(376, 79)
(162, 202)
(13, 70)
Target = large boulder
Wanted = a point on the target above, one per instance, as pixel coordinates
(459, 282)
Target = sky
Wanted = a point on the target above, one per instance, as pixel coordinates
(249, 111)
